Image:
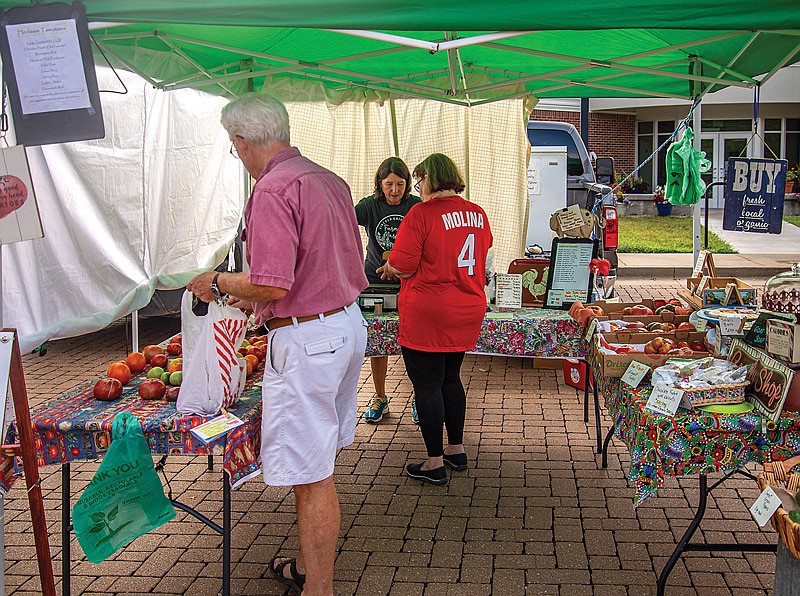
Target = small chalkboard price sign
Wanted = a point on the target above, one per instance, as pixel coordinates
(754, 191)
(570, 277)
(769, 379)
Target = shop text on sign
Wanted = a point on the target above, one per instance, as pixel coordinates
(754, 190)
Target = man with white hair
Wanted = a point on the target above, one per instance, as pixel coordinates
(305, 273)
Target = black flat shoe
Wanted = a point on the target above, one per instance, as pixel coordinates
(437, 476)
(457, 461)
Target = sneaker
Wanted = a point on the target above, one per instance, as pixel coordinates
(378, 408)
(437, 476)
(457, 461)
(414, 415)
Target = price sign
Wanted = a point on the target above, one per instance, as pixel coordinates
(665, 399)
(701, 324)
(731, 325)
(766, 504)
(634, 374)
(508, 290)
(592, 328)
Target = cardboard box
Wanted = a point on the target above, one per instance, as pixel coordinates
(783, 340)
(615, 365)
(613, 311)
(713, 293)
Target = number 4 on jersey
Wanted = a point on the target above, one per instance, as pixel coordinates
(466, 258)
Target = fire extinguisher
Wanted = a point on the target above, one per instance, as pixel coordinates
(611, 229)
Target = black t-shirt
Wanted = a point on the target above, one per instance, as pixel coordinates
(381, 220)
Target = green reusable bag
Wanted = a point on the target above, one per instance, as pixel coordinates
(125, 498)
(685, 164)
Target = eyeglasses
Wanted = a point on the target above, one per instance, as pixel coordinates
(417, 183)
(234, 152)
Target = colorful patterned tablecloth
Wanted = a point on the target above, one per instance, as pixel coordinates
(689, 443)
(528, 332)
(76, 426)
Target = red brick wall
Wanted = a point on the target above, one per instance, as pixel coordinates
(610, 135)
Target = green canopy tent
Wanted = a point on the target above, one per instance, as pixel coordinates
(464, 52)
(374, 53)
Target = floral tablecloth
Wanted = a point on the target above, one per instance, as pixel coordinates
(75, 426)
(689, 442)
(528, 332)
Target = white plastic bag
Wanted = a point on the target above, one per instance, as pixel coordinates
(191, 326)
(211, 371)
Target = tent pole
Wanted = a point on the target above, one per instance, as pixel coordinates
(135, 331)
(697, 126)
(393, 117)
(431, 46)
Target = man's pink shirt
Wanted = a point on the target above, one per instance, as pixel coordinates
(302, 236)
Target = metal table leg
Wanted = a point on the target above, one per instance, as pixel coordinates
(66, 530)
(598, 430)
(684, 545)
(226, 535)
(606, 442)
(586, 392)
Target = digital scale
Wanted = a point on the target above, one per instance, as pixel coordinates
(379, 298)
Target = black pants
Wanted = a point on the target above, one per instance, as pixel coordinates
(436, 377)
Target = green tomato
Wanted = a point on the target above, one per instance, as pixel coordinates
(155, 372)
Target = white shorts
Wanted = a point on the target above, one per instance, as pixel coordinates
(309, 396)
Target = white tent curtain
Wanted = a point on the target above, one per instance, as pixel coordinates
(160, 198)
(488, 143)
(153, 203)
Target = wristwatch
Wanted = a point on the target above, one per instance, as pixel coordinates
(215, 286)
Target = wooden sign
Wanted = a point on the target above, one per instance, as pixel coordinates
(704, 265)
(769, 379)
(754, 192)
(757, 335)
(26, 449)
(19, 213)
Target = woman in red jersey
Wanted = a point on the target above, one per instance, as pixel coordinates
(440, 256)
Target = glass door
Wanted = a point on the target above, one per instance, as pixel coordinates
(719, 147)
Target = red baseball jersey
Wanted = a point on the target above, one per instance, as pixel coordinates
(443, 243)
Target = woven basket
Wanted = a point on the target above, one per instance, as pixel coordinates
(778, 474)
(719, 394)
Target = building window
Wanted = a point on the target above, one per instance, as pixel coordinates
(644, 147)
(793, 142)
(665, 130)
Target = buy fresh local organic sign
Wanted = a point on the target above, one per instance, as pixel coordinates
(754, 190)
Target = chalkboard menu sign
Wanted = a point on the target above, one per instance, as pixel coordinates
(754, 190)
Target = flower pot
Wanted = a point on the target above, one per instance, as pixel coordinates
(664, 209)
(789, 187)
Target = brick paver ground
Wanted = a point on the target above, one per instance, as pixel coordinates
(534, 514)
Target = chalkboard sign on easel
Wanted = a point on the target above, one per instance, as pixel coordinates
(11, 374)
(570, 276)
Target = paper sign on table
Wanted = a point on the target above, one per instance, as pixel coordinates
(665, 399)
(508, 290)
(591, 329)
(556, 297)
(216, 427)
(635, 373)
(701, 324)
(766, 504)
(731, 325)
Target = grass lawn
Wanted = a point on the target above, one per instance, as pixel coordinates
(792, 219)
(664, 234)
